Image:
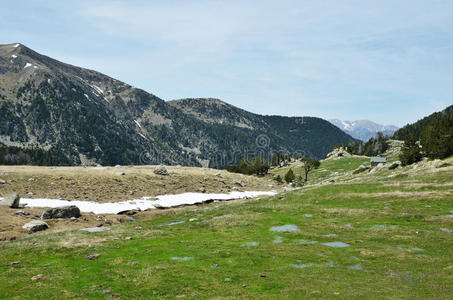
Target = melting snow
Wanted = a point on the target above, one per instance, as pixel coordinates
(28, 65)
(98, 89)
(17, 45)
(163, 201)
(142, 136)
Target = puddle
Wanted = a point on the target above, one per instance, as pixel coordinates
(336, 244)
(251, 244)
(284, 228)
(162, 201)
(302, 265)
(357, 267)
(305, 242)
(417, 249)
(330, 235)
(185, 258)
(175, 223)
(423, 255)
(383, 226)
(308, 215)
(278, 240)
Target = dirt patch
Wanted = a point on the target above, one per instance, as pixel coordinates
(107, 185)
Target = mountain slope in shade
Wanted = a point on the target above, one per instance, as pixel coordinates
(363, 129)
(93, 118)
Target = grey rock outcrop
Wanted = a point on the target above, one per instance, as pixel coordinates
(35, 225)
(361, 169)
(161, 170)
(11, 200)
(66, 212)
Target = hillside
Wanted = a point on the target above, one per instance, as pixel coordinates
(417, 128)
(87, 118)
(363, 129)
(309, 136)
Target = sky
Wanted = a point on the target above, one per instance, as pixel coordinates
(386, 61)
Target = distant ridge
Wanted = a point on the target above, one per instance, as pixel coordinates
(91, 118)
(363, 129)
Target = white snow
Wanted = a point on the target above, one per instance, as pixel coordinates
(48, 81)
(142, 136)
(346, 125)
(143, 203)
(35, 67)
(138, 124)
(14, 56)
(17, 45)
(98, 89)
(27, 65)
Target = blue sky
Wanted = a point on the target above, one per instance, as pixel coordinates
(386, 61)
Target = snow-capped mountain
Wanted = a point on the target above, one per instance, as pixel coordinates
(363, 129)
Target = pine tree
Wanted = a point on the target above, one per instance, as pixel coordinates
(411, 151)
(289, 176)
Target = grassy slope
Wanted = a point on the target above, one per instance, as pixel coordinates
(412, 210)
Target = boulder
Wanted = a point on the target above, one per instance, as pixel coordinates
(2, 181)
(394, 165)
(35, 225)
(11, 200)
(361, 169)
(61, 212)
(338, 153)
(161, 170)
(238, 182)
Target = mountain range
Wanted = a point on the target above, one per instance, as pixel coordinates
(363, 129)
(90, 118)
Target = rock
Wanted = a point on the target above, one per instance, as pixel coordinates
(11, 200)
(239, 182)
(219, 175)
(446, 230)
(202, 190)
(227, 279)
(118, 166)
(61, 212)
(20, 213)
(161, 170)
(338, 153)
(37, 277)
(95, 229)
(394, 165)
(35, 225)
(133, 263)
(2, 181)
(361, 169)
(331, 181)
(92, 256)
(31, 179)
(14, 263)
(129, 212)
(121, 173)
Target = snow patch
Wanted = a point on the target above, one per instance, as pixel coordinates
(17, 45)
(14, 56)
(142, 136)
(27, 65)
(162, 201)
(98, 89)
(138, 124)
